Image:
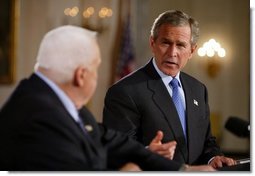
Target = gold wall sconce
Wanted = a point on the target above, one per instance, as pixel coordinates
(91, 19)
(213, 53)
(72, 12)
(96, 20)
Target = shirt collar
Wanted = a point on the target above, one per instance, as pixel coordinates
(69, 105)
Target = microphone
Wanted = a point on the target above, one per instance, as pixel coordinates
(238, 127)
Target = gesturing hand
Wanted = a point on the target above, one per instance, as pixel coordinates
(167, 149)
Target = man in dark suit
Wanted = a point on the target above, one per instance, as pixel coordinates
(44, 126)
(142, 103)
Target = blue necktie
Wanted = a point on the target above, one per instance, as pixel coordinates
(176, 97)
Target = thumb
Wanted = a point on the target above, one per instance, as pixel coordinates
(158, 137)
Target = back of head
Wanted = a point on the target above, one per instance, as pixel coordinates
(65, 48)
(176, 18)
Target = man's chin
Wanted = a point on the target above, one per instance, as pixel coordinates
(171, 71)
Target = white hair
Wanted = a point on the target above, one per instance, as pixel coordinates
(65, 48)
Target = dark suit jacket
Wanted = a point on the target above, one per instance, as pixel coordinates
(140, 105)
(37, 133)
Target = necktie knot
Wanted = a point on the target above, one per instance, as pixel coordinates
(174, 83)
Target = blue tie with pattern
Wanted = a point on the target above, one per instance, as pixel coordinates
(176, 97)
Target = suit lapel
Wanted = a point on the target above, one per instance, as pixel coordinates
(90, 124)
(164, 102)
(192, 105)
(93, 130)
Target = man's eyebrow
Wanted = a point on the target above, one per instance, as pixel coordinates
(165, 39)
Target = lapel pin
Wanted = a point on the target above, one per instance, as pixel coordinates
(195, 102)
(89, 128)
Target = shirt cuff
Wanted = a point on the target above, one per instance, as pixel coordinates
(210, 160)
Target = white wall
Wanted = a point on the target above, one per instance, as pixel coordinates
(227, 21)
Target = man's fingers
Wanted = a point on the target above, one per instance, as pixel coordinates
(165, 147)
(158, 137)
(167, 150)
(168, 154)
(170, 144)
(218, 161)
(229, 161)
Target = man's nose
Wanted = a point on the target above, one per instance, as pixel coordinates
(172, 51)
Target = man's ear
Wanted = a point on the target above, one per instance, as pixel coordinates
(193, 49)
(151, 41)
(152, 44)
(79, 75)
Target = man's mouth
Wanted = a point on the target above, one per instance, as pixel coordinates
(170, 63)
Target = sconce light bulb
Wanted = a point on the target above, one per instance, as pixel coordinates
(212, 42)
(90, 10)
(217, 46)
(67, 11)
(103, 12)
(210, 52)
(221, 52)
(201, 52)
(109, 14)
(74, 11)
(86, 14)
(206, 45)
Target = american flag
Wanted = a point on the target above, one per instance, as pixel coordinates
(126, 61)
